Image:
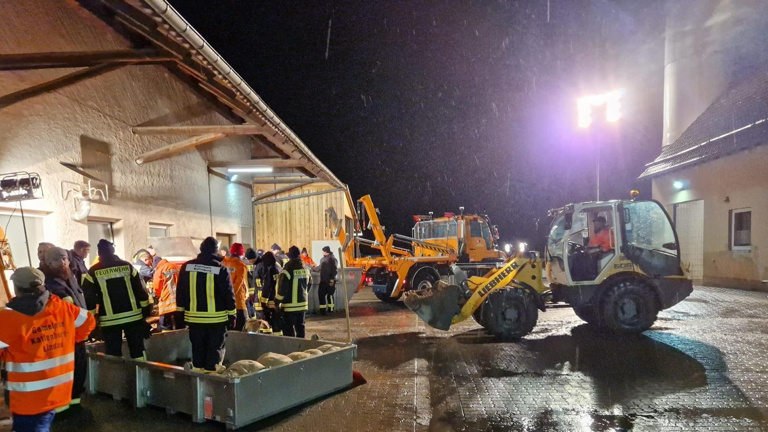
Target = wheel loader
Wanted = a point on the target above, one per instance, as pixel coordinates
(617, 263)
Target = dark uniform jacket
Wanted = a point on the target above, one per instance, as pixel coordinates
(328, 269)
(68, 290)
(77, 265)
(204, 291)
(267, 278)
(115, 288)
(292, 286)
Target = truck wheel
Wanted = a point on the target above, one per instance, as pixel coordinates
(588, 314)
(425, 277)
(509, 313)
(386, 296)
(629, 307)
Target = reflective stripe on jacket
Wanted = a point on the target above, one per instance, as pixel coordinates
(292, 287)
(204, 291)
(39, 354)
(115, 289)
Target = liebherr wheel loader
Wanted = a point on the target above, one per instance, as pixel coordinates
(618, 279)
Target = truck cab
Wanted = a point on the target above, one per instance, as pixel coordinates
(472, 237)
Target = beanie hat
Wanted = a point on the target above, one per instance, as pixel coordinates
(293, 252)
(210, 245)
(304, 250)
(105, 248)
(28, 280)
(55, 253)
(259, 253)
(237, 249)
(326, 249)
(275, 247)
(250, 254)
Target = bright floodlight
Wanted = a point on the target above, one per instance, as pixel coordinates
(521, 247)
(507, 248)
(611, 100)
(262, 169)
(233, 177)
(678, 184)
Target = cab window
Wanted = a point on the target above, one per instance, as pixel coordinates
(650, 239)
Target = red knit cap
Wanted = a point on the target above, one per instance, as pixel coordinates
(237, 249)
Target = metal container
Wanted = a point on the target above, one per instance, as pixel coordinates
(354, 276)
(162, 381)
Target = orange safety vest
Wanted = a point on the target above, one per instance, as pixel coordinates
(238, 272)
(39, 354)
(169, 279)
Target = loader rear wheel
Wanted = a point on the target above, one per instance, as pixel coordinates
(509, 313)
(628, 307)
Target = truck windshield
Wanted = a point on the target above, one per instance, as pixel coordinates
(436, 229)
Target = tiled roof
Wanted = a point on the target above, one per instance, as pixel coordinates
(736, 121)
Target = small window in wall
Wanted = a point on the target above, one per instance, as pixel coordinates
(741, 230)
(159, 230)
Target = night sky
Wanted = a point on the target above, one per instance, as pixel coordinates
(429, 106)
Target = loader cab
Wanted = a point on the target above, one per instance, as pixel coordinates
(591, 241)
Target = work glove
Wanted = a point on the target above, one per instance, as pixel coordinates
(231, 322)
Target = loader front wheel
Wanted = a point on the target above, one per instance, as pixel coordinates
(628, 307)
(588, 314)
(509, 313)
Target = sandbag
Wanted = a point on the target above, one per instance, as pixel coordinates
(333, 348)
(242, 368)
(313, 351)
(271, 359)
(326, 347)
(255, 325)
(296, 356)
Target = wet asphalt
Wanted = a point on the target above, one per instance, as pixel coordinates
(701, 367)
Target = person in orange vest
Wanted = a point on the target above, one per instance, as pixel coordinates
(306, 259)
(164, 281)
(238, 272)
(37, 346)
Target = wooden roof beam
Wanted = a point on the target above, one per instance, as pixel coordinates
(76, 59)
(271, 162)
(284, 189)
(244, 129)
(283, 180)
(177, 147)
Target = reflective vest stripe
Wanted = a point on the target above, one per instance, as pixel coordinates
(193, 291)
(115, 320)
(31, 386)
(208, 314)
(129, 287)
(81, 317)
(40, 365)
(209, 294)
(295, 307)
(105, 296)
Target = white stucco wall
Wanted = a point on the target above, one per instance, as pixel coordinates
(734, 182)
(36, 134)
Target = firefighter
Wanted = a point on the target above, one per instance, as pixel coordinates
(60, 280)
(252, 304)
(291, 296)
(164, 282)
(204, 293)
(238, 273)
(37, 342)
(267, 273)
(114, 288)
(327, 287)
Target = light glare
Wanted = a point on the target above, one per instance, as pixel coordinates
(251, 170)
(611, 100)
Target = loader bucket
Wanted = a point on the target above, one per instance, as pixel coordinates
(436, 306)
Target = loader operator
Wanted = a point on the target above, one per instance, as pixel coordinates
(205, 295)
(291, 297)
(37, 342)
(600, 243)
(114, 288)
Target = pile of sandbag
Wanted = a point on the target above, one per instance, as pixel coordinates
(255, 325)
(270, 359)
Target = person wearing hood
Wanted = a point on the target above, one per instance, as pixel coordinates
(206, 297)
(291, 296)
(37, 342)
(326, 288)
(114, 288)
(60, 280)
(238, 272)
(306, 259)
(144, 262)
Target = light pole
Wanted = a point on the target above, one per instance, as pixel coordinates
(585, 105)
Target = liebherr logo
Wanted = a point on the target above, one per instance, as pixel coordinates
(499, 277)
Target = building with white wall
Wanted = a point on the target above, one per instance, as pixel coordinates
(711, 173)
(129, 96)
